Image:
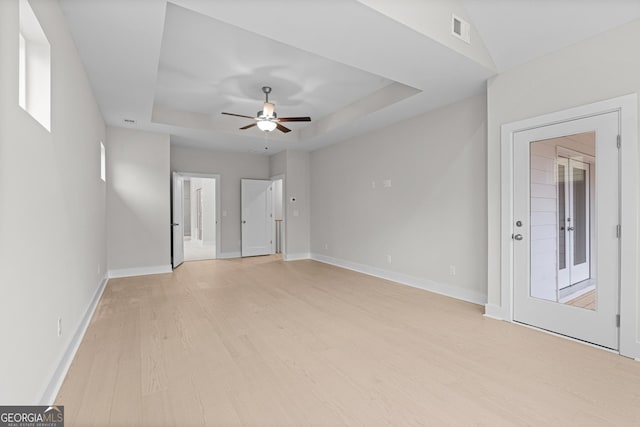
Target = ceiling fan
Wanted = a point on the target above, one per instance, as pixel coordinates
(267, 119)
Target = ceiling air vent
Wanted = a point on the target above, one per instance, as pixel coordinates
(460, 28)
(129, 121)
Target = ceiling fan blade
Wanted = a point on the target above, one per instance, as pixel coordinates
(282, 128)
(294, 119)
(248, 126)
(238, 115)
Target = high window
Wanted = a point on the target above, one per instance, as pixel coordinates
(34, 67)
(103, 162)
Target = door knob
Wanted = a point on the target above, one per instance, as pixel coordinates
(175, 224)
(570, 228)
(244, 222)
(518, 237)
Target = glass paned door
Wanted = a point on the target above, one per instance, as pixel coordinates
(575, 208)
(565, 246)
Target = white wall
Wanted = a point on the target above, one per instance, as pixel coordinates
(52, 212)
(298, 212)
(296, 168)
(278, 164)
(138, 202)
(432, 217)
(231, 167)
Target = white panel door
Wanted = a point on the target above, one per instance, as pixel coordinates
(257, 217)
(177, 227)
(536, 265)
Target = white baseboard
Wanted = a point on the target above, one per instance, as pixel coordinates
(228, 255)
(296, 257)
(495, 312)
(405, 279)
(289, 257)
(140, 271)
(51, 391)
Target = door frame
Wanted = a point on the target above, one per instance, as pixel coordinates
(627, 108)
(218, 197)
(177, 200)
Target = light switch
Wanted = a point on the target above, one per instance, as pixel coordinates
(386, 183)
(296, 212)
(224, 213)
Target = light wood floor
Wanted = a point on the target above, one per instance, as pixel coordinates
(265, 342)
(587, 300)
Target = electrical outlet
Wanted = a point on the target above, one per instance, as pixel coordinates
(59, 326)
(389, 259)
(373, 185)
(386, 183)
(452, 270)
(326, 246)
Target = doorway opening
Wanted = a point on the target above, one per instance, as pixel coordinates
(195, 217)
(199, 218)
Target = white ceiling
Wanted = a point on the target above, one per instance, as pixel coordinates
(199, 75)
(174, 67)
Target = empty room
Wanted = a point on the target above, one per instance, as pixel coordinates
(343, 212)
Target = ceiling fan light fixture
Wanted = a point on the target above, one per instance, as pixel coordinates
(266, 119)
(268, 109)
(266, 125)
